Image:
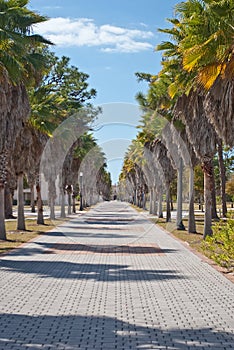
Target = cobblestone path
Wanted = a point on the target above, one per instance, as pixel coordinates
(110, 279)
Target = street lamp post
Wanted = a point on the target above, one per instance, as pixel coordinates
(81, 190)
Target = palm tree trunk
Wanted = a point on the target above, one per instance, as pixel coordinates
(143, 200)
(179, 222)
(172, 206)
(32, 199)
(74, 204)
(74, 196)
(92, 197)
(2, 214)
(168, 200)
(21, 218)
(51, 199)
(191, 219)
(40, 217)
(8, 203)
(3, 178)
(62, 214)
(52, 196)
(222, 174)
(52, 211)
(135, 197)
(69, 211)
(208, 189)
(154, 212)
(151, 201)
(69, 199)
(214, 205)
(160, 208)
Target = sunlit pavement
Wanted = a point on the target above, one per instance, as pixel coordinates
(110, 279)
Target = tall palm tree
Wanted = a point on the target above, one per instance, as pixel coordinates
(190, 110)
(28, 148)
(58, 107)
(222, 173)
(188, 53)
(14, 111)
(168, 173)
(10, 187)
(155, 180)
(19, 62)
(208, 52)
(173, 147)
(128, 175)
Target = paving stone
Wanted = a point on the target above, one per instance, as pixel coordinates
(110, 279)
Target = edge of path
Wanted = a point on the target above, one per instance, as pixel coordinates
(220, 269)
(212, 263)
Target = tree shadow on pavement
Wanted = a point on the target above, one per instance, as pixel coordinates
(79, 271)
(90, 234)
(19, 331)
(113, 249)
(87, 228)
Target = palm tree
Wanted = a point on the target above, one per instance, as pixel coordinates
(128, 175)
(222, 174)
(208, 52)
(181, 150)
(96, 180)
(167, 171)
(190, 110)
(21, 160)
(28, 148)
(76, 154)
(10, 187)
(58, 106)
(162, 95)
(14, 110)
(178, 164)
(185, 61)
(19, 61)
(104, 183)
(155, 181)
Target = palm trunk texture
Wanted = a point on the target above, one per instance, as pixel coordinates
(191, 219)
(208, 188)
(8, 203)
(63, 213)
(179, 222)
(21, 218)
(40, 217)
(33, 210)
(2, 214)
(222, 174)
(168, 199)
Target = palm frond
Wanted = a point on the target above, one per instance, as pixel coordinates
(14, 67)
(208, 75)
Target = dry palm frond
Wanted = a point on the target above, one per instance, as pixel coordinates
(208, 75)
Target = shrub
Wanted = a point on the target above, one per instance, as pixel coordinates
(220, 246)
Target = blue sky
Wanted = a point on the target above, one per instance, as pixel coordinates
(110, 41)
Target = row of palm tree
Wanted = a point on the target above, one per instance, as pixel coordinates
(39, 91)
(194, 93)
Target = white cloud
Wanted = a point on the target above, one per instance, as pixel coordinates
(84, 32)
(130, 47)
(144, 25)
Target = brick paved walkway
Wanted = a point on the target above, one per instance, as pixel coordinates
(109, 279)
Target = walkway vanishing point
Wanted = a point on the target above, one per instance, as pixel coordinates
(110, 279)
